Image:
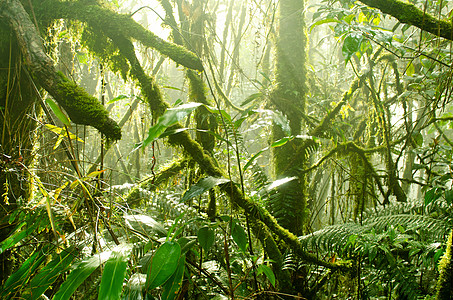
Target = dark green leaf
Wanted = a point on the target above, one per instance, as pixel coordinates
(47, 275)
(171, 287)
(239, 236)
(79, 274)
(202, 186)
(431, 195)
(19, 278)
(17, 236)
(268, 272)
(205, 237)
(163, 264)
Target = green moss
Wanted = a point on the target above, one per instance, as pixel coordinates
(114, 24)
(445, 281)
(85, 109)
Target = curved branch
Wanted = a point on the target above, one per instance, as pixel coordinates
(409, 14)
(81, 107)
(112, 23)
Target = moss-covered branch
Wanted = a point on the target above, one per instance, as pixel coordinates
(408, 13)
(81, 107)
(445, 281)
(112, 23)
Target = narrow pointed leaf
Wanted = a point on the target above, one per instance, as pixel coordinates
(47, 275)
(79, 274)
(163, 264)
(19, 278)
(267, 272)
(58, 112)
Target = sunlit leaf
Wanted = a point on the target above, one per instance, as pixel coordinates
(169, 118)
(145, 224)
(280, 182)
(58, 112)
(163, 264)
(351, 45)
(113, 275)
(202, 186)
(117, 98)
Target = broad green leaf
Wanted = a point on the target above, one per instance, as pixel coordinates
(19, 278)
(169, 118)
(202, 186)
(206, 237)
(113, 277)
(186, 243)
(58, 113)
(449, 197)
(431, 195)
(239, 236)
(144, 224)
(79, 274)
(267, 272)
(351, 45)
(47, 275)
(117, 98)
(171, 287)
(163, 264)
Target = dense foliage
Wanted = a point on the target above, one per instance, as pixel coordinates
(222, 149)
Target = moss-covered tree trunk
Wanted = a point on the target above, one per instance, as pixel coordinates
(22, 73)
(289, 97)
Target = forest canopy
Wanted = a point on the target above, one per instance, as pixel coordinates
(212, 149)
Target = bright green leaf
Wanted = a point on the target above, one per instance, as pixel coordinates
(118, 98)
(47, 275)
(163, 264)
(171, 287)
(351, 45)
(169, 118)
(113, 277)
(79, 274)
(58, 112)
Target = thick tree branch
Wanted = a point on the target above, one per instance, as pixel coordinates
(112, 23)
(81, 107)
(409, 14)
